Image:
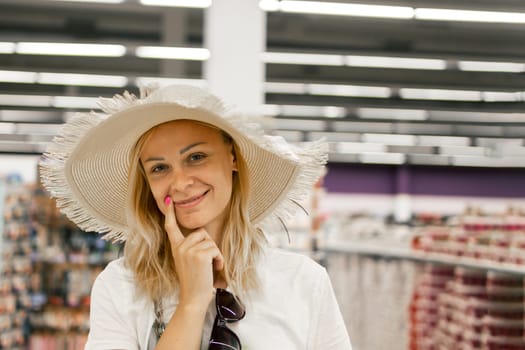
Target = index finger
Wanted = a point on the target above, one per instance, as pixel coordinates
(170, 223)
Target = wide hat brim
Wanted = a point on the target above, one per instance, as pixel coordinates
(86, 167)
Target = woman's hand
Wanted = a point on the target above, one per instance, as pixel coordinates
(195, 257)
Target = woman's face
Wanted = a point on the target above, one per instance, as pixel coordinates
(193, 164)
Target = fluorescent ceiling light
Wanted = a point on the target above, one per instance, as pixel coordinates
(334, 136)
(312, 111)
(7, 128)
(6, 47)
(395, 62)
(498, 142)
(145, 81)
(439, 94)
(173, 53)
(349, 90)
(390, 139)
(271, 110)
(284, 88)
(462, 151)
(430, 140)
(339, 9)
(334, 112)
(498, 96)
(480, 66)
(299, 124)
(70, 49)
(302, 58)
(75, 102)
(477, 117)
(392, 113)
(269, 5)
(97, 1)
(12, 76)
(37, 128)
(382, 158)
(13, 115)
(178, 3)
(488, 161)
(359, 147)
(469, 16)
(82, 79)
(25, 100)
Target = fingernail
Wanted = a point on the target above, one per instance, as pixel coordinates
(167, 200)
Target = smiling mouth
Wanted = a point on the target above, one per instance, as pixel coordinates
(188, 203)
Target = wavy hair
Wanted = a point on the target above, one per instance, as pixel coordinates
(147, 250)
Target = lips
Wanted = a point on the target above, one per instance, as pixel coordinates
(190, 202)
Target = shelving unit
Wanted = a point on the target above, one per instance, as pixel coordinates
(66, 262)
(16, 275)
(380, 249)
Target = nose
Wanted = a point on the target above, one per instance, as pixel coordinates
(180, 180)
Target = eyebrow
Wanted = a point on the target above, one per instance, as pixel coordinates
(187, 148)
(181, 151)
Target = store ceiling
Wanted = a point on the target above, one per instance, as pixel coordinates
(368, 113)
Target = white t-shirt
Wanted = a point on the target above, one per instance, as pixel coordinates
(295, 309)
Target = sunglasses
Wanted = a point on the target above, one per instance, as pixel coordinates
(229, 309)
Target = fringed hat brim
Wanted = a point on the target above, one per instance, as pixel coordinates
(86, 166)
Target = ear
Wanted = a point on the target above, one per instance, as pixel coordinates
(234, 160)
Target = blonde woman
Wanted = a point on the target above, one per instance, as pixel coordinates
(191, 187)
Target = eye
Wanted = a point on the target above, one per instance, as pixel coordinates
(196, 157)
(158, 168)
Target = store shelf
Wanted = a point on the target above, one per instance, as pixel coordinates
(391, 251)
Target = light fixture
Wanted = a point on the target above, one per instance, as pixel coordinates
(304, 111)
(37, 128)
(349, 90)
(392, 113)
(359, 147)
(476, 117)
(468, 15)
(7, 128)
(302, 58)
(74, 102)
(82, 79)
(284, 88)
(13, 76)
(500, 96)
(395, 62)
(432, 140)
(95, 1)
(382, 158)
(488, 161)
(7, 47)
(70, 49)
(173, 53)
(461, 150)
(439, 94)
(299, 124)
(485, 66)
(145, 81)
(390, 139)
(178, 3)
(25, 100)
(19, 115)
(338, 9)
(396, 12)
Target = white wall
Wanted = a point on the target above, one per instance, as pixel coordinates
(25, 165)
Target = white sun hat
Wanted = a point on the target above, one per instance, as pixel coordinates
(86, 166)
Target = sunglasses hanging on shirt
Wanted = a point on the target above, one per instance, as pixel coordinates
(229, 309)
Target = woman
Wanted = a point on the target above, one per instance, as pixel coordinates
(190, 187)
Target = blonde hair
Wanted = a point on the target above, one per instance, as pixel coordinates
(148, 252)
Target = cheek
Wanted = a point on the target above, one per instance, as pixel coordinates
(158, 195)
